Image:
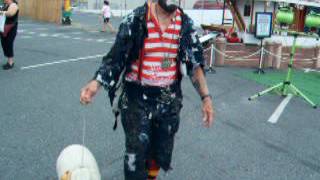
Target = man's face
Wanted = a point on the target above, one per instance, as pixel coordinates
(169, 5)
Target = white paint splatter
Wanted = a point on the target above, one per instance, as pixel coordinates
(131, 162)
(112, 83)
(145, 97)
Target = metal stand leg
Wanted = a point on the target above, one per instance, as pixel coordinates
(299, 93)
(260, 69)
(265, 91)
(211, 69)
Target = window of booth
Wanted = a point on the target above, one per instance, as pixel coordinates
(247, 10)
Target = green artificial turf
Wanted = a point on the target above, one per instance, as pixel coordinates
(308, 83)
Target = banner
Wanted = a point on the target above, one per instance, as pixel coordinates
(314, 3)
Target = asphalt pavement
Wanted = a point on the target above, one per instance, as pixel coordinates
(40, 114)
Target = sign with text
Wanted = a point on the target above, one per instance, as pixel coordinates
(263, 25)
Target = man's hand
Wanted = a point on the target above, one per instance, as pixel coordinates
(89, 91)
(207, 112)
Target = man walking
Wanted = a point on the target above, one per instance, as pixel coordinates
(155, 47)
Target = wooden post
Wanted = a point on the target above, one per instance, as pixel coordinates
(221, 44)
(317, 58)
(252, 16)
(223, 12)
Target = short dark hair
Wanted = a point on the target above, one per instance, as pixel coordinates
(234, 34)
(106, 2)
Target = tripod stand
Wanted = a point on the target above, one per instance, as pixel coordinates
(260, 69)
(286, 87)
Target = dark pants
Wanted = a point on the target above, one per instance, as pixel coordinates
(106, 20)
(8, 42)
(150, 118)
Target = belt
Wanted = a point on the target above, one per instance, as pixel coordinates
(162, 94)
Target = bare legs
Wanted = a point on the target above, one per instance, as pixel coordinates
(108, 25)
(10, 61)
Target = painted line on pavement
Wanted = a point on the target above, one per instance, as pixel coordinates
(56, 35)
(77, 38)
(42, 29)
(24, 37)
(61, 61)
(277, 113)
(76, 33)
(101, 40)
(43, 35)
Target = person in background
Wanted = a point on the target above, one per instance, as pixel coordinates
(233, 38)
(106, 14)
(11, 11)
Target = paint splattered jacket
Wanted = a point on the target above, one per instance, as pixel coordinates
(130, 41)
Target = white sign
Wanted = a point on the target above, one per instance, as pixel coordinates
(263, 24)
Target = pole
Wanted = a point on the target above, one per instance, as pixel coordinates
(260, 69)
(223, 11)
(212, 54)
(290, 66)
(202, 11)
(252, 15)
(125, 7)
(121, 6)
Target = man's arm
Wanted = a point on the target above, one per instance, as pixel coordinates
(197, 75)
(111, 67)
(200, 84)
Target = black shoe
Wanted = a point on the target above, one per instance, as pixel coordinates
(8, 66)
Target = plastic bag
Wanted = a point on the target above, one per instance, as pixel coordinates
(2, 22)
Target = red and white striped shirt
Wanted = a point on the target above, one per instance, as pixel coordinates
(157, 47)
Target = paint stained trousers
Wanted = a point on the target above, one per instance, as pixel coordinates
(150, 118)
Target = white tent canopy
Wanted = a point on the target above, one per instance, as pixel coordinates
(314, 3)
